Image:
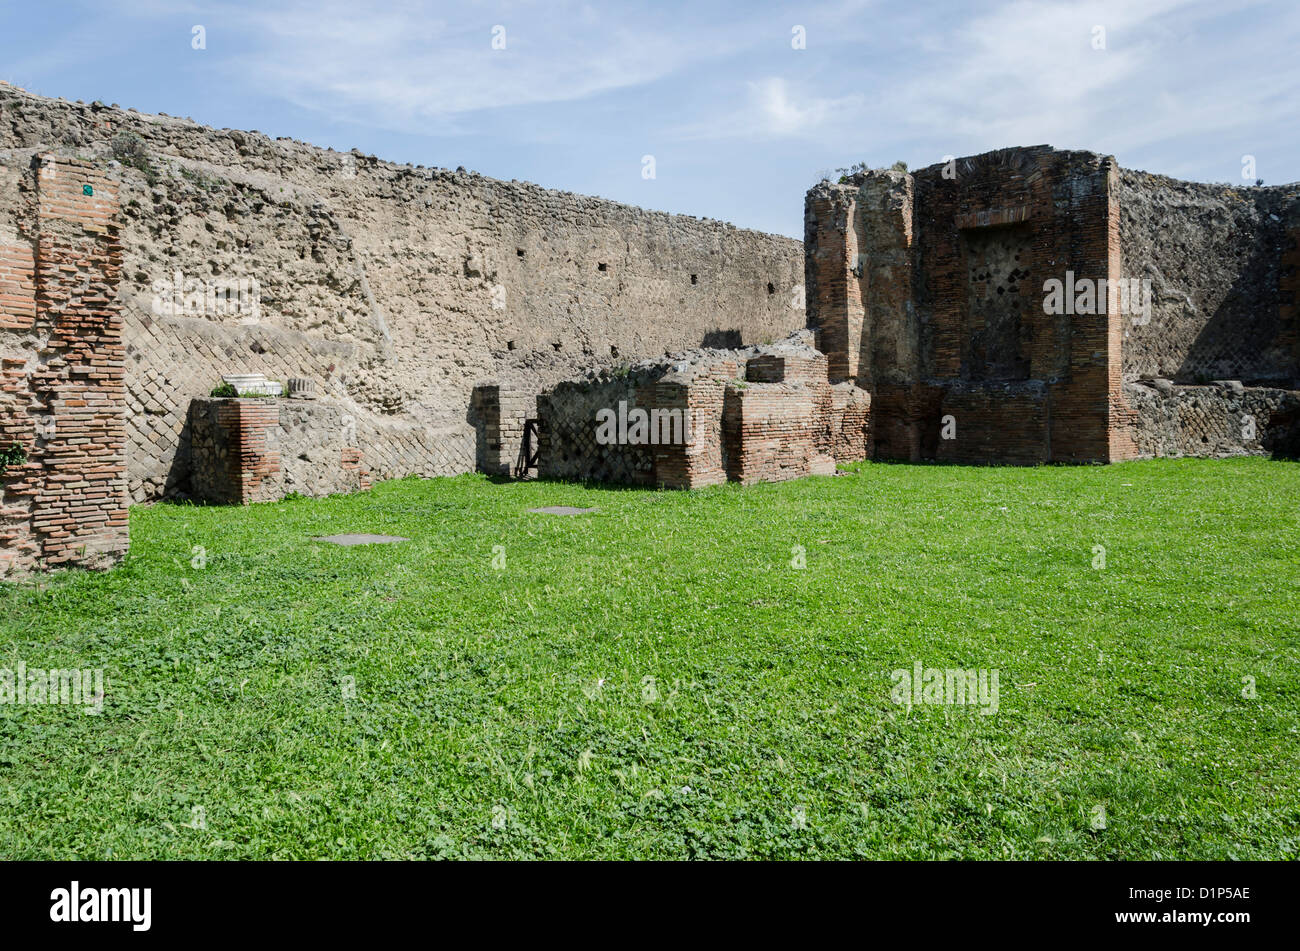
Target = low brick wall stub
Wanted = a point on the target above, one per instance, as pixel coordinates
(261, 449)
(756, 414)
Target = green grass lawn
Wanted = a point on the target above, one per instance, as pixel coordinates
(292, 699)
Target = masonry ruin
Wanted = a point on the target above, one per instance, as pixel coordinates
(760, 414)
(1035, 305)
(1023, 306)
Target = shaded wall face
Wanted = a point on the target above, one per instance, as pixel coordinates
(1221, 266)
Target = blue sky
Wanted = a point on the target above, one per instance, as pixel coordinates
(739, 121)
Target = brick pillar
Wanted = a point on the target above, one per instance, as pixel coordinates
(701, 460)
(832, 268)
(1090, 419)
(235, 450)
(1121, 419)
(63, 399)
(498, 411)
(258, 441)
(889, 344)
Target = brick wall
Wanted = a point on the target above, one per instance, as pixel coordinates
(17, 286)
(776, 431)
(499, 412)
(259, 449)
(848, 422)
(62, 396)
(702, 460)
(995, 424)
(954, 342)
(759, 414)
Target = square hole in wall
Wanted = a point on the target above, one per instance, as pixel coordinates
(602, 266)
(695, 279)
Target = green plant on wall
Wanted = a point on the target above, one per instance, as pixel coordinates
(859, 168)
(129, 149)
(224, 389)
(15, 455)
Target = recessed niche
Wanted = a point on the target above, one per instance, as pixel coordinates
(602, 266)
(996, 337)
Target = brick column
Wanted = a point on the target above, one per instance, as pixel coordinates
(1090, 419)
(832, 272)
(63, 399)
(701, 459)
(498, 411)
(888, 344)
(235, 450)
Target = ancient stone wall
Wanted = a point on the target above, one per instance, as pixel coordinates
(1223, 419)
(62, 397)
(396, 288)
(1220, 262)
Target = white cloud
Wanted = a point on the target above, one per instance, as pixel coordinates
(413, 67)
(771, 109)
(1028, 73)
(781, 115)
